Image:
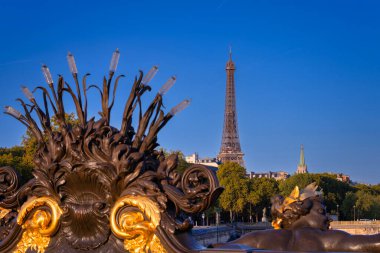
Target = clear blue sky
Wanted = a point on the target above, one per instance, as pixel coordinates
(308, 72)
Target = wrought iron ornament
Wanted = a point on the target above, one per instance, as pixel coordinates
(95, 187)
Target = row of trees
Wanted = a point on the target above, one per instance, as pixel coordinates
(244, 197)
(17, 158)
(241, 192)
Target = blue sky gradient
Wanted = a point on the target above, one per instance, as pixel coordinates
(308, 72)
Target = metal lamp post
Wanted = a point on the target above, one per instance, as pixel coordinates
(217, 222)
(250, 212)
(337, 212)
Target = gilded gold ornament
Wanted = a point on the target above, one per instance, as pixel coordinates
(132, 226)
(4, 212)
(276, 224)
(40, 226)
(295, 196)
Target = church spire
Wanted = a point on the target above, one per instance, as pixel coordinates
(302, 167)
(302, 157)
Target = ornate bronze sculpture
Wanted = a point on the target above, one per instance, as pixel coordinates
(301, 224)
(98, 188)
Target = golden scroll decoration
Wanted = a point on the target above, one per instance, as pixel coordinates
(137, 228)
(40, 226)
(4, 212)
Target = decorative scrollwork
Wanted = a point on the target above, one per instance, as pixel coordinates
(200, 185)
(38, 224)
(91, 178)
(197, 190)
(137, 227)
(4, 212)
(10, 194)
(11, 198)
(8, 180)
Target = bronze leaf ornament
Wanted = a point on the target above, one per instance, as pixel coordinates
(97, 187)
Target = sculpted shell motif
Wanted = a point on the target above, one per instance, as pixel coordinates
(85, 204)
(98, 188)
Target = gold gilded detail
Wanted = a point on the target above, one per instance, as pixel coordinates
(132, 226)
(4, 212)
(276, 224)
(40, 226)
(295, 196)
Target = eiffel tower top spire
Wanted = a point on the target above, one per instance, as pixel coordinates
(230, 64)
(230, 150)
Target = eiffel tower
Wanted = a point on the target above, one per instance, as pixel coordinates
(230, 150)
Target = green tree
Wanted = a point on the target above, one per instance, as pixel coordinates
(376, 188)
(15, 157)
(368, 188)
(368, 204)
(233, 178)
(260, 192)
(301, 180)
(334, 191)
(364, 200)
(348, 205)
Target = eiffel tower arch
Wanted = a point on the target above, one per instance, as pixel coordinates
(230, 150)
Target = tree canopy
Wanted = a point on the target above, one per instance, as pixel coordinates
(334, 191)
(251, 196)
(364, 203)
(233, 178)
(15, 157)
(261, 190)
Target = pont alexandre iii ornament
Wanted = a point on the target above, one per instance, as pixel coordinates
(97, 188)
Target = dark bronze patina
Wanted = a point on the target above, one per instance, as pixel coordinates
(86, 168)
(303, 225)
(96, 188)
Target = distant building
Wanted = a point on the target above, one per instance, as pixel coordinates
(278, 175)
(302, 167)
(341, 177)
(208, 161)
(193, 158)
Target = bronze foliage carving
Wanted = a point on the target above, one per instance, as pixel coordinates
(96, 187)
